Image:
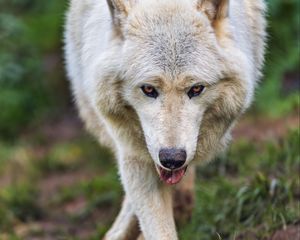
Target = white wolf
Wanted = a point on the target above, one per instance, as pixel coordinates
(162, 82)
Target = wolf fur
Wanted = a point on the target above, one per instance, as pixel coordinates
(113, 47)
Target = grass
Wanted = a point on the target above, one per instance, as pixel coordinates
(254, 188)
(232, 202)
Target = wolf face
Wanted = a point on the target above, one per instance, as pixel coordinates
(172, 66)
(174, 74)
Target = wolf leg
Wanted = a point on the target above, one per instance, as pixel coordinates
(151, 200)
(125, 226)
(184, 197)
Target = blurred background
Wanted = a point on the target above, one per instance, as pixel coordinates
(57, 183)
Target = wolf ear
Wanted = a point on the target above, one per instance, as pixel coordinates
(119, 10)
(214, 9)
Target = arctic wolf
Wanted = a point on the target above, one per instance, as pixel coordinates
(162, 83)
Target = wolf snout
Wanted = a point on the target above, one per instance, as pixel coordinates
(172, 158)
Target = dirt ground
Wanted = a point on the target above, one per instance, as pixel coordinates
(289, 233)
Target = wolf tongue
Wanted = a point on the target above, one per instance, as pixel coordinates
(174, 176)
(171, 177)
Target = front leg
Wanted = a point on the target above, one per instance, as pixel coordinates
(125, 226)
(184, 197)
(151, 200)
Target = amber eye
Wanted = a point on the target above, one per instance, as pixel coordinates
(195, 91)
(149, 91)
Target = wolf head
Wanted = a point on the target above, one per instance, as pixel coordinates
(184, 88)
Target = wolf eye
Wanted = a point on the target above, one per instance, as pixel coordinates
(149, 91)
(195, 91)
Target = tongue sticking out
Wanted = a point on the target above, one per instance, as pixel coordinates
(171, 177)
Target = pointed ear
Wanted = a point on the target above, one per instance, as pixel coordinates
(118, 7)
(119, 11)
(215, 10)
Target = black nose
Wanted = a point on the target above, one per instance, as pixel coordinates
(172, 158)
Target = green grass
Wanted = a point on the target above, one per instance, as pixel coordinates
(252, 189)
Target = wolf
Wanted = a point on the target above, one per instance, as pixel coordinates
(162, 83)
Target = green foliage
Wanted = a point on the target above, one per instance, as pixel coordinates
(282, 58)
(16, 102)
(25, 92)
(18, 203)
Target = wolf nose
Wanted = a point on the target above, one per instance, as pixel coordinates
(172, 158)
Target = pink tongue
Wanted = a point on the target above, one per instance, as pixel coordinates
(171, 177)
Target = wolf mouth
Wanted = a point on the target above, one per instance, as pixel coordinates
(171, 177)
